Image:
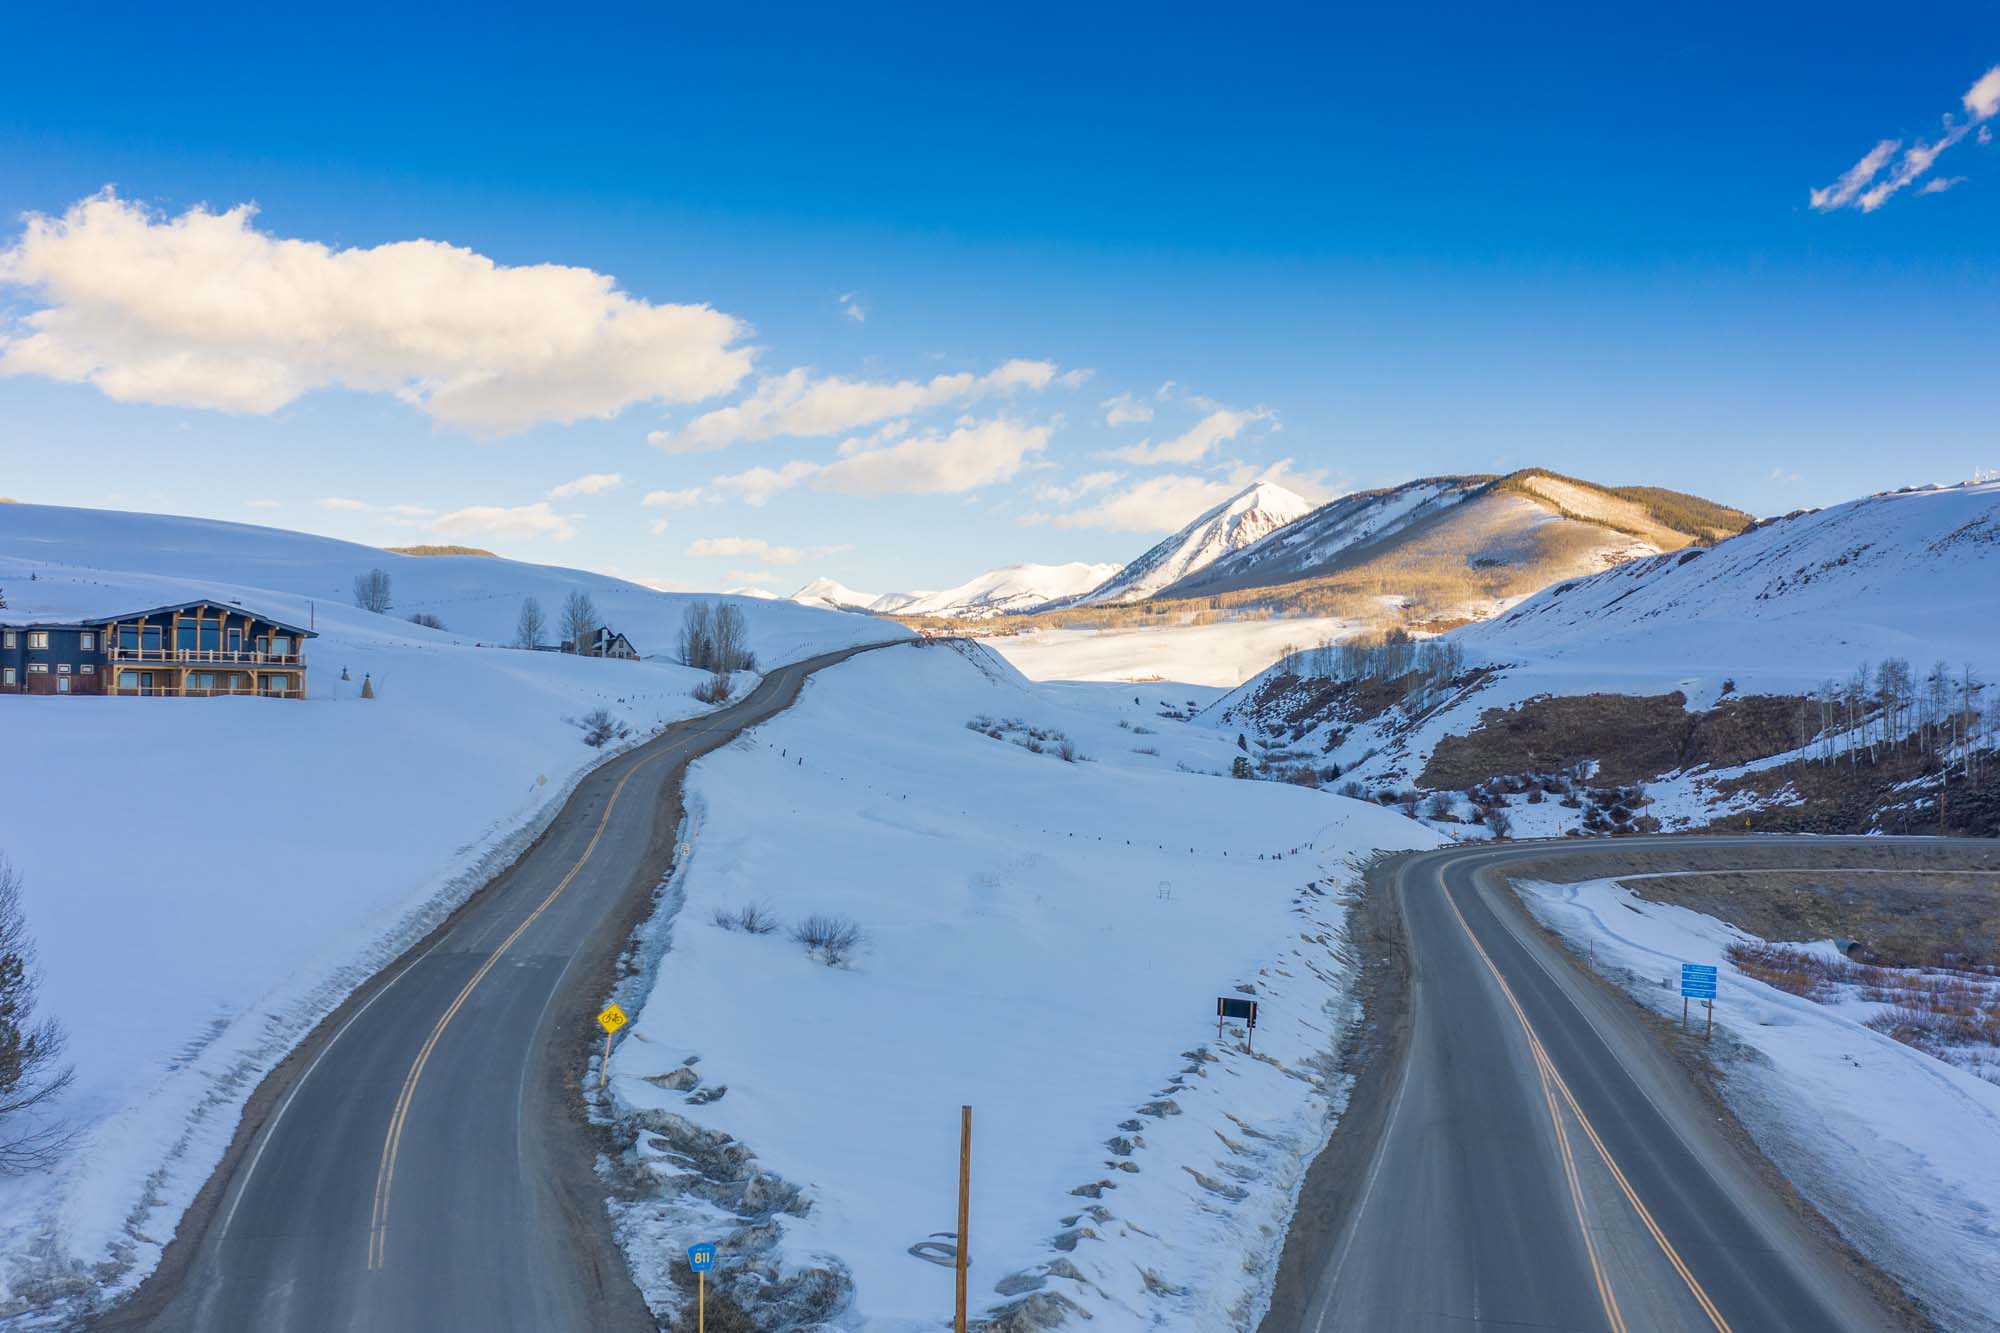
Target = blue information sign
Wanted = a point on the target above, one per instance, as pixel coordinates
(701, 1257)
(1698, 981)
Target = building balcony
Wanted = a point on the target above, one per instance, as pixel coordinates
(201, 657)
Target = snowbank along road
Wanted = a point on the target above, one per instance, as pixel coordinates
(420, 1162)
(1536, 1158)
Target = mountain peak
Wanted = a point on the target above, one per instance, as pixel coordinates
(1249, 516)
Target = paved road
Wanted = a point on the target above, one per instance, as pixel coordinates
(419, 1164)
(1541, 1162)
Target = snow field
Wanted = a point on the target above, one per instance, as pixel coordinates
(1044, 941)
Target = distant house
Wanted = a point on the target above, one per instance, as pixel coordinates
(194, 648)
(603, 642)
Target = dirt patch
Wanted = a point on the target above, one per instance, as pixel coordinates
(1897, 792)
(1631, 738)
(1906, 919)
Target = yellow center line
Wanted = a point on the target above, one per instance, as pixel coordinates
(1605, 1295)
(1550, 1075)
(385, 1174)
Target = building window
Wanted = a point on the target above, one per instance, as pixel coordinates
(87, 641)
(128, 680)
(62, 668)
(38, 668)
(6, 639)
(277, 684)
(88, 668)
(62, 685)
(38, 638)
(7, 676)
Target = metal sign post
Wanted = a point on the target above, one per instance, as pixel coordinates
(963, 1249)
(1698, 983)
(610, 1020)
(1227, 1007)
(701, 1258)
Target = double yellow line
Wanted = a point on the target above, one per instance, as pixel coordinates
(1553, 1084)
(385, 1174)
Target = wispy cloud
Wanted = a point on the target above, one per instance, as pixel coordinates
(756, 548)
(758, 484)
(796, 404)
(535, 520)
(205, 310)
(590, 483)
(850, 306)
(975, 454)
(1123, 409)
(1087, 484)
(1873, 181)
(1218, 427)
(672, 499)
(1157, 504)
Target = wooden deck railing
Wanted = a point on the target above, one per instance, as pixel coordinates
(193, 656)
(175, 692)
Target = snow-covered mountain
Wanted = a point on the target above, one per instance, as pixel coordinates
(1014, 588)
(1255, 512)
(1533, 526)
(1693, 680)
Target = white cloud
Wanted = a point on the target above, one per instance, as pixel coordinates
(1982, 99)
(1864, 186)
(341, 504)
(852, 307)
(975, 454)
(759, 484)
(1157, 504)
(590, 483)
(1941, 184)
(535, 520)
(659, 527)
(754, 547)
(1088, 483)
(672, 499)
(796, 404)
(1218, 427)
(1781, 474)
(204, 310)
(1125, 409)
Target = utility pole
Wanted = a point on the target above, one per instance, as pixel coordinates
(963, 1248)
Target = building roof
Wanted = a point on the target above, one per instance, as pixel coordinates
(98, 622)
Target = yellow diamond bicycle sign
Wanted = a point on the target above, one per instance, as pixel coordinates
(612, 1018)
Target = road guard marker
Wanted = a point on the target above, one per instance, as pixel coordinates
(701, 1258)
(610, 1020)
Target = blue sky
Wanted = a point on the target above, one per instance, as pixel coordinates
(1359, 247)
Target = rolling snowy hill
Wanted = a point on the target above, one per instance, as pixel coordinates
(364, 821)
(1250, 515)
(1693, 683)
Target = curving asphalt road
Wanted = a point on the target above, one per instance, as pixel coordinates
(420, 1163)
(1537, 1160)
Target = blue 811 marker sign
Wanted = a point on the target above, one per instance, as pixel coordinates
(701, 1257)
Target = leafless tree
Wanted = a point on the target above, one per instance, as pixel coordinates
(579, 618)
(732, 639)
(371, 591)
(31, 1070)
(698, 635)
(426, 619)
(528, 630)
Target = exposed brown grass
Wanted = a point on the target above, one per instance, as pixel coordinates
(440, 550)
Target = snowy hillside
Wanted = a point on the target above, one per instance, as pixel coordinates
(831, 595)
(1014, 588)
(1051, 886)
(362, 822)
(1252, 514)
(1703, 681)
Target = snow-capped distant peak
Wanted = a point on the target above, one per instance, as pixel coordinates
(1014, 588)
(1250, 515)
(834, 596)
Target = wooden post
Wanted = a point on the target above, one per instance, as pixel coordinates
(604, 1070)
(1709, 1033)
(1684, 1013)
(964, 1246)
(701, 1303)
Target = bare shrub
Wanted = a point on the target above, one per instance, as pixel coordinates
(1146, 749)
(1066, 750)
(599, 728)
(426, 619)
(713, 690)
(831, 939)
(751, 918)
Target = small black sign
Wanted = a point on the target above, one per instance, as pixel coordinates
(1243, 1009)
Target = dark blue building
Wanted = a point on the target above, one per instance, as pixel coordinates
(195, 648)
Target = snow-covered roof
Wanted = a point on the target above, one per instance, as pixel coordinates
(92, 622)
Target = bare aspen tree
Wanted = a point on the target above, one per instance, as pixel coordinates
(529, 628)
(31, 1070)
(371, 591)
(732, 639)
(579, 618)
(698, 636)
